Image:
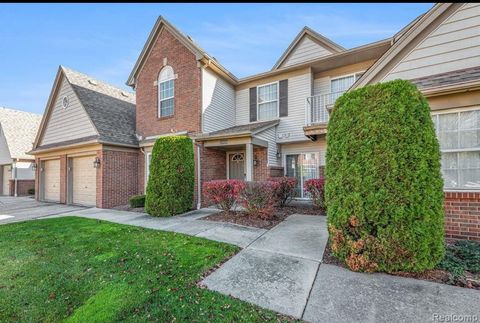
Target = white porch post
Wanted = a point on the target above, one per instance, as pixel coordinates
(249, 161)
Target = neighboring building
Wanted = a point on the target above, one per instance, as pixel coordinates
(440, 53)
(86, 150)
(17, 133)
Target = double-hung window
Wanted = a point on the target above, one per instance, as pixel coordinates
(166, 92)
(459, 137)
(267, 101)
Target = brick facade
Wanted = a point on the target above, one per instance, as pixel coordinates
(187, 106)
(116, 177)
(260, 170)
(462, 215)
(23, 185)
(213, 165)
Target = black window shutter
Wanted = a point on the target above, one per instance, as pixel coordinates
(283, 98)
(253, 104)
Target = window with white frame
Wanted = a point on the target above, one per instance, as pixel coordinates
(166, 92)
(341, 84)
(267, 101)
(459, 137)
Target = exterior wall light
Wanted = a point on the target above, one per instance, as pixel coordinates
(96, 163)
(279, 154)
(255, 162)
(34, 166)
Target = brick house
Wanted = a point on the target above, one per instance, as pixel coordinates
(275, 123)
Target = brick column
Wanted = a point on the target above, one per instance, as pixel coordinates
(63, 179)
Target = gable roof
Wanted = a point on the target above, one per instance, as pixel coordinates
(110, 109)
(316, 37)
(19, 129)
(462, 76)
(414, 31)
(245, 129)
(187, 41)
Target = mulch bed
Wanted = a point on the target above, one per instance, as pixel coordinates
(280, 214)
(128, 208)
(434, 275)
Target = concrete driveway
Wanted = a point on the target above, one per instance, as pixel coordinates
(16, 209)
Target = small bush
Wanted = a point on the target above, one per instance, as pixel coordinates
(316, 190)
(137, 201)
(171, 181)
(31, 191)
(286, 189)
(258, 198)
(384, 192)
(224, 193)
(460, 257)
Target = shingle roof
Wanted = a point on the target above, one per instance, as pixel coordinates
(19, 128)
(251, 128)
(448, 78)
(111, 109)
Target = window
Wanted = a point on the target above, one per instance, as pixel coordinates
(166, 92)
(267, 101)
(341, 84)
(459, 137)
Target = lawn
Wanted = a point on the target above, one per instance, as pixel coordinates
(84, 270)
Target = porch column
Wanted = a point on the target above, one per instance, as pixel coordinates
(249, 161)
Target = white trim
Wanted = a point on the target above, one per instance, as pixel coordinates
(147, 170)
(277, 100)
(284, 163)
(344, 76)
(166, 68)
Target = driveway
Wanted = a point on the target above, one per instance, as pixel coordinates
(16, 209)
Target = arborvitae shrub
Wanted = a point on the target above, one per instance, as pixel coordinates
(171, 181)
(384, 192)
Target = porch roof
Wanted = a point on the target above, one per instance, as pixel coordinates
(238, 131)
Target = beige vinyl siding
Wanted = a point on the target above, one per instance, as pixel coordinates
(24, 170)
(290, 128)
(321, 85)
(218, 102)
(453, 45)
(242, 107)
(306, 50)
(67, 124)
(270, 136)
(5, 156)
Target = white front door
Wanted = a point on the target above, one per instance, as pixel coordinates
(236, 165)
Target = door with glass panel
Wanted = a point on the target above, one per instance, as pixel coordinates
(236, 166)
(303, 167)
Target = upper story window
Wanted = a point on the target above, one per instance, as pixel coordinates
(459, 137)
(166, 92)
(341, 84)
(267, 101)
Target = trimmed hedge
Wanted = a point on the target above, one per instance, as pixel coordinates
(137, 201)
(171, 181)
(384, 192)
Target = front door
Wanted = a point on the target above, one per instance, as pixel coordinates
(236, 166)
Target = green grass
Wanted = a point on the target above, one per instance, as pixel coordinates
(83, 270)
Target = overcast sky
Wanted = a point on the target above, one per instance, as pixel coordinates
(104, 40)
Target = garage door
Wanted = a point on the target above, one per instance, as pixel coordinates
(51, 180)
(84, 181)
(6, 177)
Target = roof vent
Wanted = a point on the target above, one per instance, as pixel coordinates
(93, 82)
(125, 94)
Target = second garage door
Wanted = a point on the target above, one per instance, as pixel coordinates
(84, 181)
(51, 180)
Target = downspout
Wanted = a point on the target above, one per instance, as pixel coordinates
(144, 171)
(199, 181)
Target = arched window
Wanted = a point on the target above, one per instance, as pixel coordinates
(166, 92)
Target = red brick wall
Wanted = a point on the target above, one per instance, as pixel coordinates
(63, 179)
(276, 171)
(260, 171)
(23, 185)
(213, 166)
(117, 180)
(141, 173)
(462, 215)
(187, 109)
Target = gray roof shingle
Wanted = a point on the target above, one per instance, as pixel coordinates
(111, 110)
(246, 128)
(448, 78)
(19, 128)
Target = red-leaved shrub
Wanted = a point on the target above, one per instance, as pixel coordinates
(258, 198)
(316, 190)
(286, 190)
(224, 193)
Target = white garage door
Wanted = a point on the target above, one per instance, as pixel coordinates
(51, 180)
(84, 181)
(6, 177)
